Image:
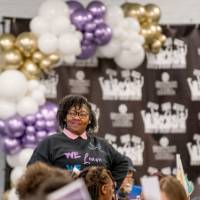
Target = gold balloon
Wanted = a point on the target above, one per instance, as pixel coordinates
(31, 70)
(162, 38)
(153, 12)
(54, 58)
(37, 56)
(27, 43)
(149, 32)
(7, 41)
(155, 46)
(46, 65)
(147, 47)
(125, 6)
(137, 11)
(12, 59)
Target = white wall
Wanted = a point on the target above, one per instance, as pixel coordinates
(173, 11)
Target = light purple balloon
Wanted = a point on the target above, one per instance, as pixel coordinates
(16, 126)
(11, 145)
(87, 51)
(30, 130)
(39, 116)
(90, 26)
(29, 141)
(99, 21)
(74, 6)
(80, 18)
(97, 8)
(30, 119)
(51, 125)
(49, 111)
(40, 125)
(103, 34)
(88, 36)
(85, 42)
(40, 135)
(3, 128)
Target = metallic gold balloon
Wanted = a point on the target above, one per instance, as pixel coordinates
(37, 56)
(31, 70)
(7, 41)
(54, 58)
(162, 38)
(46, 65)
(125, 6)
(137, 11)
(12, 59)
(155, 46)
(27, 43)
(149, 33)
(153, 12)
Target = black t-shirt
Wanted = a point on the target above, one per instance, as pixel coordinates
(60, 151)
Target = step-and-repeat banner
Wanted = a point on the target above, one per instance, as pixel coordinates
(150, 113)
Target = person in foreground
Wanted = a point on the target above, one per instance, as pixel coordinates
(99, 182)
(76, 146)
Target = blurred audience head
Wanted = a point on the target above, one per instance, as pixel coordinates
(172, 189)
(99, 182)
(39, 175)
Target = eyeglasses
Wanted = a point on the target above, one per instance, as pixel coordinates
(82, 115)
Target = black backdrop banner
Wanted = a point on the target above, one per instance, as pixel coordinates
(150, 113)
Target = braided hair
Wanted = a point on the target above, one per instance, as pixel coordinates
(95, 177)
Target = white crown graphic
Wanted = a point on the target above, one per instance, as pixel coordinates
(128, 89)
(173, 55)
(170, 120)
(51, 85)
(194, 151)
(194, 85)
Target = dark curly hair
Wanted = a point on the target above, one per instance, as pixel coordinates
(95, 177)
(75, 100)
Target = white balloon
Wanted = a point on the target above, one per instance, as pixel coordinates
(129, 59)
(13, 160)
(12, 195)
(16, 173)
(42, 88)
(38, 96)
(69, 59)
(131, 23)
(114, 15)
(24, 156)
(13, 85)
(33, 84)
(7, 109)
(26, 106)
(53, 9)
(69, 44)
(110, 50)
(39, 25)
(59, 25)
(48, 43)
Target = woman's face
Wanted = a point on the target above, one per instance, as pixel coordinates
(77, 119)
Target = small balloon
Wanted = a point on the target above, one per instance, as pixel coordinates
(162, 38)
(51, 125)
(40, 135)
(29, 141)
(80, 18)
(97, 8)
(11, 145)
(27, 43)
(29, 119)
(153, 12)
(37, 56)
(155, 46)
(88, 36)
(74, 6)
(125, 6)
(49, 111)
(40, 125)
(87, 51)
(7, 41)
(54, 58)
(30, 130)
(90, 27)
(12, 59)
(31, 70)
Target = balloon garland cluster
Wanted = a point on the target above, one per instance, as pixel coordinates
(21, 53)
(148, 17)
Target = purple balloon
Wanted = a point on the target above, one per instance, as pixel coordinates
(80, 18)
(40, 125)
(88, 36)
(29, 141)
(51, 126)
(3, 128)
(97, 8)
(30, 119)
(16, 126)
(74, 6)
(11, 145)
(49, 111)
(99, 21)
(90, 26)
(30, 130)
(85, 42)
(87, 51)
(103, 34)
(39, 116)
(40, 135)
